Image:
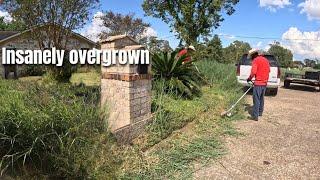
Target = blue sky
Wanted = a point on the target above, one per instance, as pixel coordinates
(253, 18)
(294, 23)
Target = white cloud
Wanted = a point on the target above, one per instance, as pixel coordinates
(273, 5)
(6, 15)
(311, 8)
(268, 45)
(266, 48)
(306, 44)
(94, 29)
(149, 32)
(259, 44)
(227, 36)
(291, 10)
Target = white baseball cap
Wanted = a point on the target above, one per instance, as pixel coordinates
(252, 51)
(192, 48)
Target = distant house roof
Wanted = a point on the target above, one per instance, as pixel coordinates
(6, 34)
(114, 38)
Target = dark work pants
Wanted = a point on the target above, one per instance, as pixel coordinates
(258, 100)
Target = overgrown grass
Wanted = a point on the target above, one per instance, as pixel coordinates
(186, 134)
(53, 131)
(219, 74)
(173, 113)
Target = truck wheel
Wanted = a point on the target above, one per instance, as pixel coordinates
(286, 84)
(274, 92)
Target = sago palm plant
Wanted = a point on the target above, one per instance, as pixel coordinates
(180, 77)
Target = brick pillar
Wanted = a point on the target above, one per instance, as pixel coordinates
(125, 93)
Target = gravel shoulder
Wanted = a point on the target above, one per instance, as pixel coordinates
(283, 144)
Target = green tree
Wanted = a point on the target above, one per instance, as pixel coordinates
(60, 18)
(154, 45)
(201, 51)
(11, 26)
(190, 19)
(214, 49)
(234, 51)
(283, 55)
(209, 50)
(317, 66)
(117, 24)
(310, 62)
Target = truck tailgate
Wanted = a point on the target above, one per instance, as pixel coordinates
(245, 71)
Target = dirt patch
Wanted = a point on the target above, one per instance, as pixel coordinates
(283, 144)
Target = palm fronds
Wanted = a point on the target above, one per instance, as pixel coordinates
(179, 77)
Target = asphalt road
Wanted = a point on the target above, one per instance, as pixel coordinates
(283, 144)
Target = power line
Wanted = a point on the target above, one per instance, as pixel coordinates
(165, 37)
(270, 38)
(255, 37)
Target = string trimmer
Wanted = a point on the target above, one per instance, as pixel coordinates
(228, 113)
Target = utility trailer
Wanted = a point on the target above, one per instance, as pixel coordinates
(310, 78)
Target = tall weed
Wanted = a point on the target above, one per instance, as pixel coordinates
(52, 130)
(218, 73)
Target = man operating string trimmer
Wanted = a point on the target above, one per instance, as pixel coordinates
(260, 72)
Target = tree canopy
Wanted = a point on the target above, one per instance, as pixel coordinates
(190, 19)
(154, 45)
(235, 50)
(69, 14)
(211, 50)
(283, 55)
(11, 26)
(214, 49)
(117, 24)
(310, 62)
(51, 23)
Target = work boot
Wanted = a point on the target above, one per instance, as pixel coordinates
(253, 118)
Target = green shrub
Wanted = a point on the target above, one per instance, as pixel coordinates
(33, 70)
(317, 66)
(53, 130)
(63, 73)
(180, 78)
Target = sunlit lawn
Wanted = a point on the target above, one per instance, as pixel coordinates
(89, 78)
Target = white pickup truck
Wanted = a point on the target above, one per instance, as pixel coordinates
(244, 69)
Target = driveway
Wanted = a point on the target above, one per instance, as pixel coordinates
(284, 144)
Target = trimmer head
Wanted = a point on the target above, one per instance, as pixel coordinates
(226, 114)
